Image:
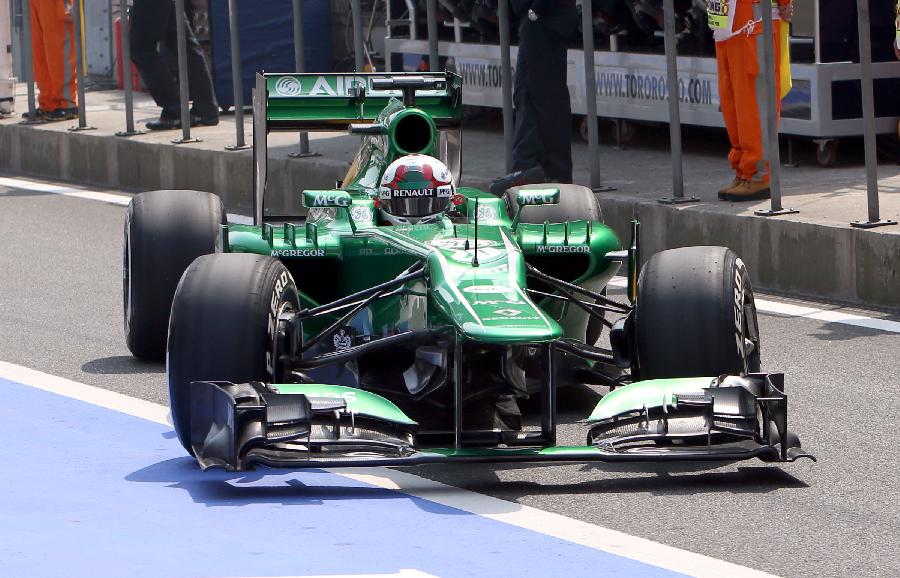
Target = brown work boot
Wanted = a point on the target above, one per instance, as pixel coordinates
(726, 188)
(747, 190)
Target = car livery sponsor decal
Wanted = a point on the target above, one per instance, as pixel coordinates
(537, 197)
(288, 86)
(487, 249)
(401, 193)
(518, 318)
(486, 213)
(299, 253)
(331, 200)
(497, 302)
(563, 249)
(343, 339)
(481, 289)
(508, 312)
(388, 251)
(361, 213)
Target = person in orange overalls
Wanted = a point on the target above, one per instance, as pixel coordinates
(7, 80)
(53, 54)
(736, 30)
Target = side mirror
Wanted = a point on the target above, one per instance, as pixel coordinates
(326, 199)
(532, 197)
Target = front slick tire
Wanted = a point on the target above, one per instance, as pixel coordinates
(695, 315)
(222, 326)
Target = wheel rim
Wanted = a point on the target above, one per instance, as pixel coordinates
(750, 354)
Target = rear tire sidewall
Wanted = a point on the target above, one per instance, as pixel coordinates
(164, 232)
(223, 325)
(695, 309)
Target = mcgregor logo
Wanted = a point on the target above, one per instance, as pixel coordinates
(288, 86)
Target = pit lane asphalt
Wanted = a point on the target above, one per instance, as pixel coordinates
(60, 312)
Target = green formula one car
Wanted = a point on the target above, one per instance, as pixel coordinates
(403, 319)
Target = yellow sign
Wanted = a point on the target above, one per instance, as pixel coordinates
(717, 13)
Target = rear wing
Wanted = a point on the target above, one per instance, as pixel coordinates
(331, 102)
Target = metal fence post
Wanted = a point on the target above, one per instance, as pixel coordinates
(674, 108)
(769, 112)
(237, 81)
(184, 88)
(300, 66)
(28, 64)
(359, 57)
(868, 102)
(434, 58)
(590, 94)
(77, 8)
(124, 25)
(506, 83)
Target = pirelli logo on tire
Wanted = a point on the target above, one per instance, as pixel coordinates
(739, 269)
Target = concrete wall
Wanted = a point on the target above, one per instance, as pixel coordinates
(838, 263)
(87, 157)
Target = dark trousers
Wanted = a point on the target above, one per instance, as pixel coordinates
(543, 127)
(152, 23)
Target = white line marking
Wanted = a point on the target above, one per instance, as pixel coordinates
(109, 198)
(65, 191)
(86, 393)
(836, 315)
(526, 517)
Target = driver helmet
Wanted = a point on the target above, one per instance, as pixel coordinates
(415, 189)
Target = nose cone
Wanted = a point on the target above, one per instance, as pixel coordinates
(488, 303)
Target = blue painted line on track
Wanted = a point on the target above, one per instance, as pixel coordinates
(89, 492)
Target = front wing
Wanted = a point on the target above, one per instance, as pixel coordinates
(238, 426)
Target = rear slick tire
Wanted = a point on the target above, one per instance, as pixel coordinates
(223, 325)
(695, 315)
(164, 232)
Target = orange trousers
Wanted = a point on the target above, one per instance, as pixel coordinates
(53, 50)
(739, 84)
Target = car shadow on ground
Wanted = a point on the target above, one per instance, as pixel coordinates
(655, 479)
(218, 488)
(121, 365)
(844, 332)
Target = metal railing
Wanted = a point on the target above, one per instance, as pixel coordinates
(767, 54)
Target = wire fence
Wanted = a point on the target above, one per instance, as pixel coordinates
(361, 54)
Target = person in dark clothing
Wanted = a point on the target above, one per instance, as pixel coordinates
(542, 144)
(153, 22)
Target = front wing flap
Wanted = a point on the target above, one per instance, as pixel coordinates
(675, 417)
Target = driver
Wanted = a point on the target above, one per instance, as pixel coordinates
(415, 189)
